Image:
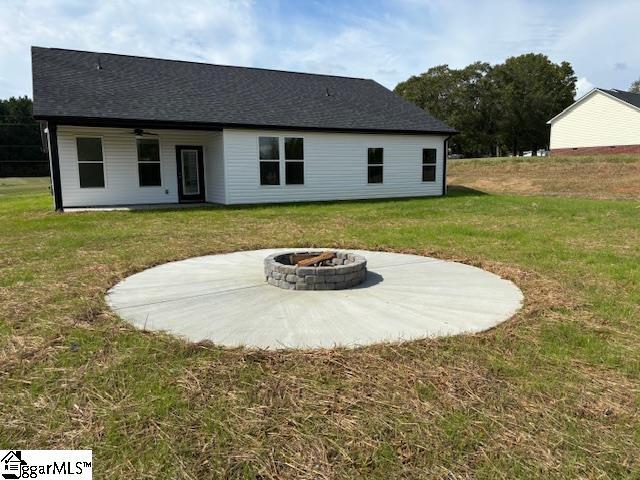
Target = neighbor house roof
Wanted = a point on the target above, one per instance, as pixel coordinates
(78, 85)
(630, 98)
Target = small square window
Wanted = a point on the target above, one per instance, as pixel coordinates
(149, 174)
(91, 175)
(429, 155)
(89, 149)
(269, 173)
(269, 148)
(294, 173)
(293, 148)
(428, 173)
(375, 156)
(375, 174)
(148, 150)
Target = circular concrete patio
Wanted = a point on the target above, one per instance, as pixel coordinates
(225, 299)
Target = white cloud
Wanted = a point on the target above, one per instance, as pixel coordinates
(387, 41)
(583, 86)
(218, 32)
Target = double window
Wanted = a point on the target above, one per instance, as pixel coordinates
(375, 158)
(429, 160)
(90, 162)
(148, 162)
(269, 154)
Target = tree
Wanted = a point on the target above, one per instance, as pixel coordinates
(20, 145)
(635, 86)
(493, 106)
(456, 97)
(530, 90)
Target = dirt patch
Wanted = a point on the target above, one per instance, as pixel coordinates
(603, 180)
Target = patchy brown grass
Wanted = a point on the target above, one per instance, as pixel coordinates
(552, 393)
(602, 177)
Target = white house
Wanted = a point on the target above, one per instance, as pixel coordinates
(602, 121)
(126, 130)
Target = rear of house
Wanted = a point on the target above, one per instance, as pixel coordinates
(126, 130)
(602, 121)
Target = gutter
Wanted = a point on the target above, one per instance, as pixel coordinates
(445, 154)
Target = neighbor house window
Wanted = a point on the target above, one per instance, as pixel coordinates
(374, 165)
(148, 162)
(90, 162)
(294, 161)
(269, 160)
(428, 164)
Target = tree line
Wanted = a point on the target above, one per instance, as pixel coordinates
(496, 108)
(21, 152)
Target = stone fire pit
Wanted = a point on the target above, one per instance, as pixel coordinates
(343, 270)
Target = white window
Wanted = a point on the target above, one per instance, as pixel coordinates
(148, 162)
(429, 160)
(375, 158)
(269, 153)
(294, 161)
(90, 162)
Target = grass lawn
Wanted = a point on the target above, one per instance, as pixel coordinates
(553, 393)
(12, 186)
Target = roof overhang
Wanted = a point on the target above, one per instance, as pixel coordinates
(145, 123)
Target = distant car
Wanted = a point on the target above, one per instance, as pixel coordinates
(455, 156)
(541, 153)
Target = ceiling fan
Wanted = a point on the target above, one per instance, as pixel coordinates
(139, 133)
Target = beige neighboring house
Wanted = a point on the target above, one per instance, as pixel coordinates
(602, 121)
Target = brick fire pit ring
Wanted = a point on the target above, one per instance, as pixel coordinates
(344, 270)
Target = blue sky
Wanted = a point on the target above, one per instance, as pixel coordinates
(384, 40)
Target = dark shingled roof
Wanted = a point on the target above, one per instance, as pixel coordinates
(628, 97)
(89, 85)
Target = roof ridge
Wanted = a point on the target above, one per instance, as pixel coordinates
(202, 63)
(617, 90)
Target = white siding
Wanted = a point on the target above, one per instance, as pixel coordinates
(598, 120)
(335, 167)
(121, 168)
(214, 169)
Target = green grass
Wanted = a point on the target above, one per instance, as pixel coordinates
(14, 186)
(552, 393)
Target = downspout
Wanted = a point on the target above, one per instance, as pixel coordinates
(54, 160)
(444, 164)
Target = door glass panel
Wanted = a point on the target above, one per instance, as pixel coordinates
(190, 179)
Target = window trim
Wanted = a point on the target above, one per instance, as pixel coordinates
(282, 161)
(78, 162)
(431, 164)
(302, 160)
(374, 165)
(260, 160)
(138, 162)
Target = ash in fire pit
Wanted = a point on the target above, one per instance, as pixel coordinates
(327, 270)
